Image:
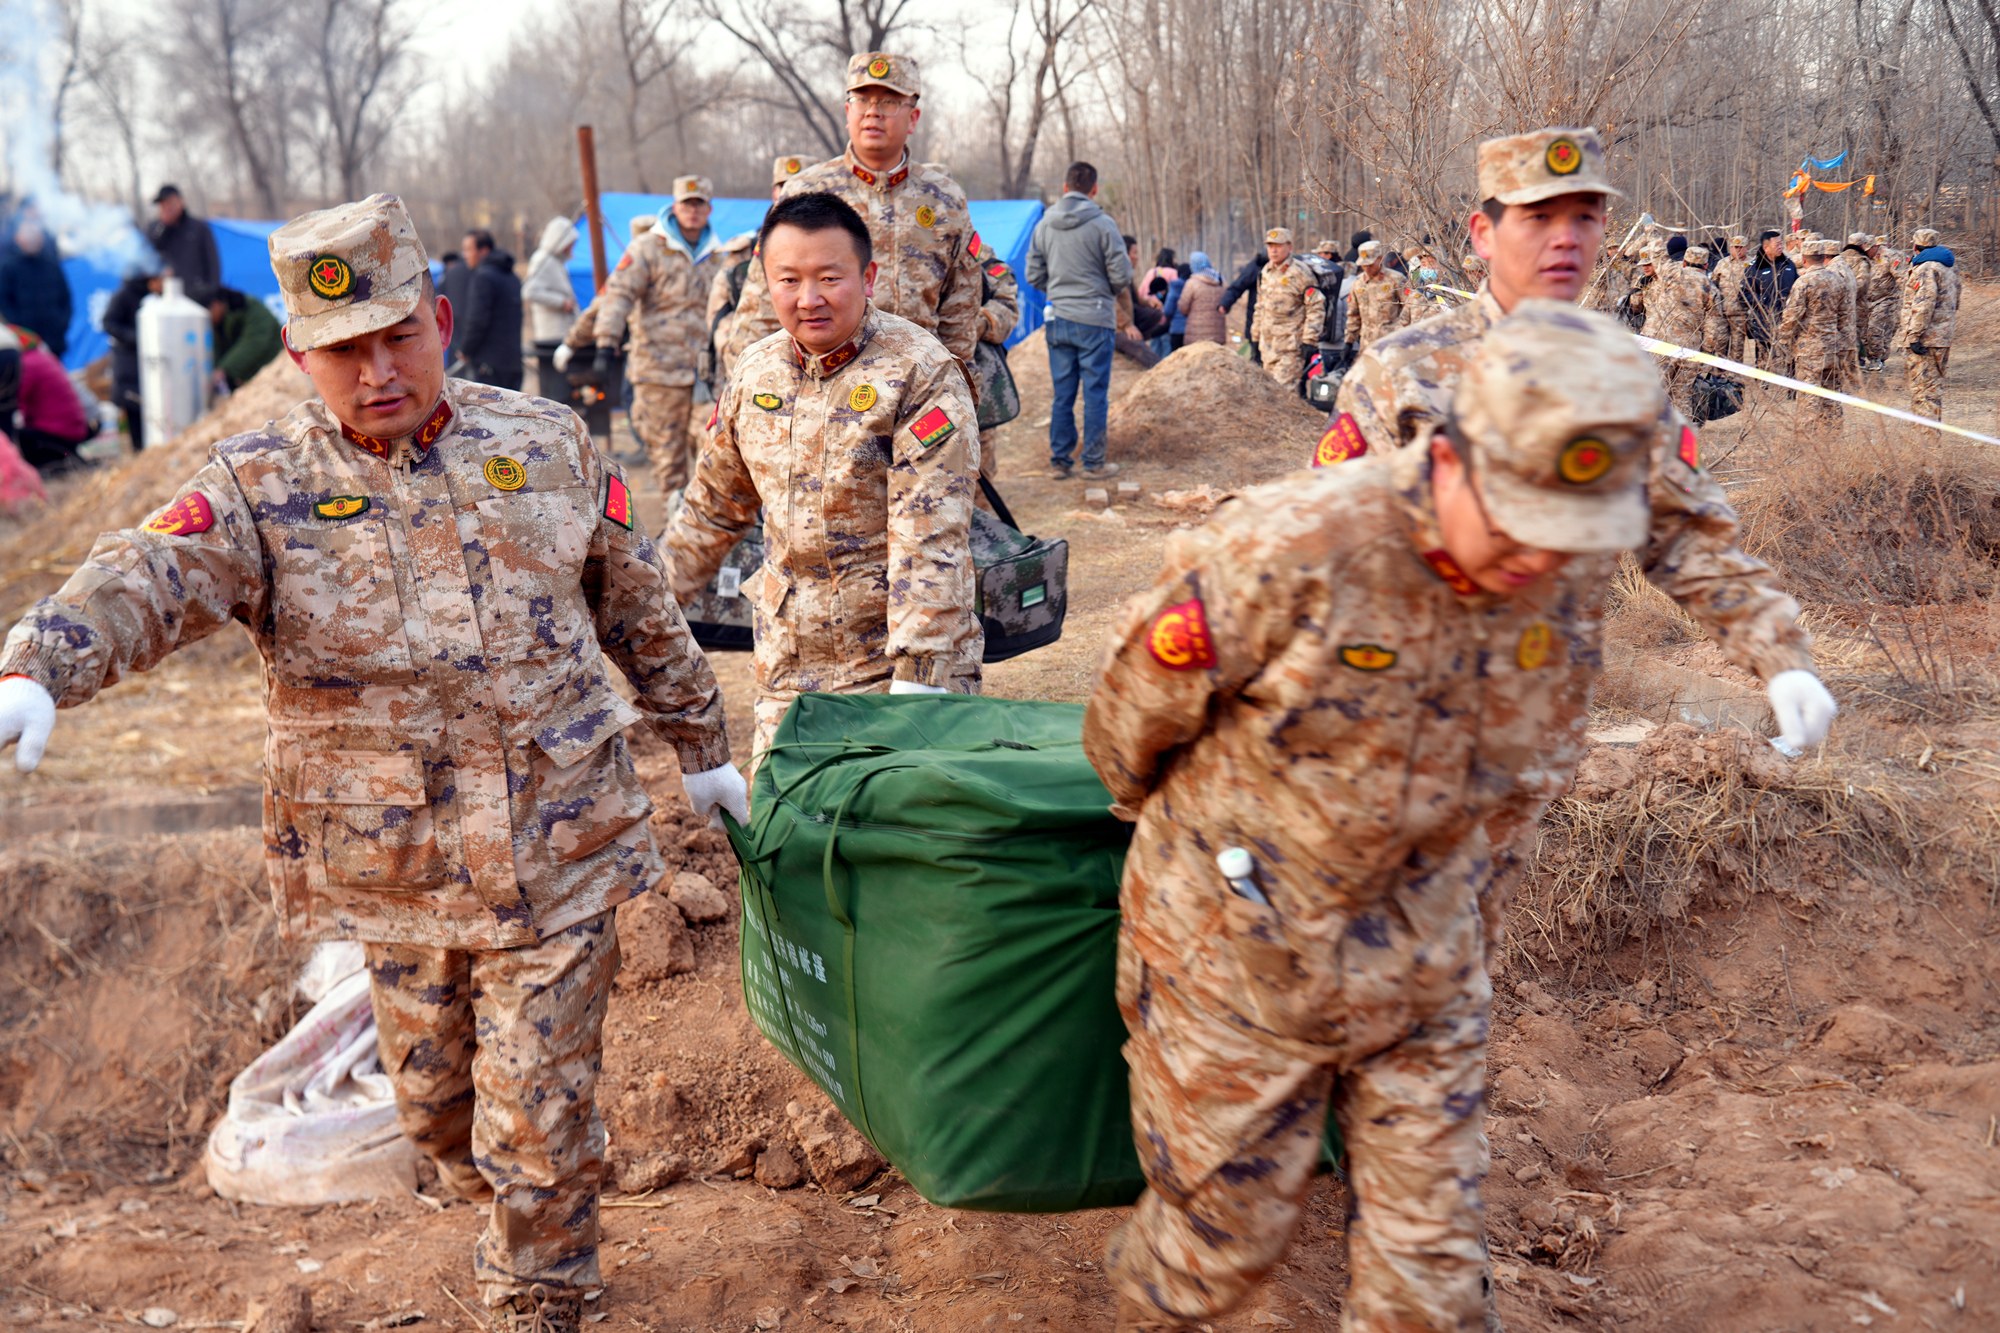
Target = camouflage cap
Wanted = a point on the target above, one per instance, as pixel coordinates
(740, 244)
(348, 270)
(1530, 167)
(693, 187)
(1924, 236)
(787, 167)
(1739, 240)
(1555, 413)
(1696, 256)
(644, 223)
(1860, 238)
(1369, 251)
(872, 69)
(1278, 236)
(1326, 247)
(1825, 247)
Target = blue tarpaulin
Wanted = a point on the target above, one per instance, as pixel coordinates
(1828, 165)
(246, 266)
(1005, 224)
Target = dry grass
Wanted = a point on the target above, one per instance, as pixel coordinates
(1715, 818)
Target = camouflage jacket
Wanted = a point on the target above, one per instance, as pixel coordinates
(1374, 307)
(1305, 681)
(445, 764)
(1729, 275)
(1682, 307)
(1290, 305)
(864, 462)
(1001, 310)
(1403, 385)
(667, 284)
(1818, 324)
(1930, 307)
(925, 244)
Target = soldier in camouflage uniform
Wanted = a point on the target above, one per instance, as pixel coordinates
(1858, 266)
(1818, 327)
(1924, 326)
(925, 243)
(1885, 299)
(662, 283)
(1000, 311)
(723, 294)
(854, 433)
(1375, 302)
(1684, 308)
(1290, 310)
(440, 577)
(1728, 276)
(1310, 678)
(1407, 380)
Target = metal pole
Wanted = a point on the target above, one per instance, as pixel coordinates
(586, 151)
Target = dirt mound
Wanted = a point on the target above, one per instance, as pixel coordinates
(1691, 817)
(141, 976)
(39, 549)
(1205, 404)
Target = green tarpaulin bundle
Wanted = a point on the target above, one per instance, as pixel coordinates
(930, 932)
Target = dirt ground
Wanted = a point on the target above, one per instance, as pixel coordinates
(1746, 1050)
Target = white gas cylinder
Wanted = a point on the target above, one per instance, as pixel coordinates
(175, 347)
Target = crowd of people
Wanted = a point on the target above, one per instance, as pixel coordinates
(449, 778)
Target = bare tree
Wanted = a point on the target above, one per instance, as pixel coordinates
(234, 72)
(807, 55)
(361, 52)
(1031, 79)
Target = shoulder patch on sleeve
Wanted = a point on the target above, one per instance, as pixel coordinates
(932, 428)
(185, 517)
(618, 502)
(1690, 450)
(624, 262)
(1343, 440)
(1179, 639)
(972, 246)
(996, 269)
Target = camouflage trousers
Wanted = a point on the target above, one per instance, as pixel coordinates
(1283, 363)
(1924, 373)
(663, 419)
(1247, 1026)
(495, 1057)
(1879, 330)
(1825, 412)
(1679, 377)
(1734, 347)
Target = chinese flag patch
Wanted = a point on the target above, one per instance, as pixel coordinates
(1342, 441)
(1179, 639)
(618, 504)
(1447, 569)
(1690, 448)
(932, 428)
(972, 246)
(996, 269)
(185, 517)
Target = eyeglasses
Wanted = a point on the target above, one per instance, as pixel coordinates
(878, 106)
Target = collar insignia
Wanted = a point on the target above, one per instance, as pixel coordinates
(421, 439)
(1447, 569)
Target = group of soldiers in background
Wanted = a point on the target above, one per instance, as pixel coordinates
(1815, 308)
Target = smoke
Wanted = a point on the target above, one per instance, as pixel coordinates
(103, 234)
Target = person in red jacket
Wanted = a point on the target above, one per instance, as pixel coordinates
(51, 421)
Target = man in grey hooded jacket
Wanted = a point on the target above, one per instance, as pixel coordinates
(1078, 259)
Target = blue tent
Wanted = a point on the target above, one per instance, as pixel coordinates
(246, 266)
(1005, 224)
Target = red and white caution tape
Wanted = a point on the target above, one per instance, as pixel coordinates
(1783, 381)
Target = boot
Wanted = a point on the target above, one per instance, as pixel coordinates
(539, 1311)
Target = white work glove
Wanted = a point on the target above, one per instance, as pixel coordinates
(914, 687)
(718, 789)
(1804, 711)
(27, 715)
(563, 354)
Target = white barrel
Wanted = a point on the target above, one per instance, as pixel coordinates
(176, 341)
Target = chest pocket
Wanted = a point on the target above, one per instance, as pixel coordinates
(375, 821)
(524, 554)
(338, 615)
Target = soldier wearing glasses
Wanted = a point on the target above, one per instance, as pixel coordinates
(924, 240)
